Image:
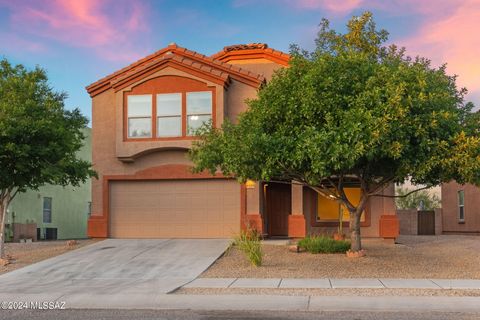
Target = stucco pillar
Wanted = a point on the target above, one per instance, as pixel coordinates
(389, 226)
(253, 218)
(296, 221)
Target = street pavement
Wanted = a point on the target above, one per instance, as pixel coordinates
(257, 302)
(234, 315)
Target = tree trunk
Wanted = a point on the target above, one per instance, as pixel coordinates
(3, 212)
(356, 242)
(2, 230)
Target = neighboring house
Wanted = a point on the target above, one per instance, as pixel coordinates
(52, 212)
(460, 208)
(143, 117)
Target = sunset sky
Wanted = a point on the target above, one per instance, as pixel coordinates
(80, 41)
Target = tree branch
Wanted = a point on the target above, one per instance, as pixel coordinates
(381, 185)
(401, 196)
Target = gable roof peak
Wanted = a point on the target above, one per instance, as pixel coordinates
(248, 46)
(251, 51)
(182, 56)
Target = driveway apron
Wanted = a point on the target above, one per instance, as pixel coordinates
(116, 266)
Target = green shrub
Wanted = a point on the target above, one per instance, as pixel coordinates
(322, 244)
(249, 241)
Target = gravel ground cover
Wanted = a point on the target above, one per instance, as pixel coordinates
(437, 257)
(332, 292)
(24, 254)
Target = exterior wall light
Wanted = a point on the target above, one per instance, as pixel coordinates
(250, 184)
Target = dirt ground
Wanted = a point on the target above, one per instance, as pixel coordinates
(445, 257)
(24, 254)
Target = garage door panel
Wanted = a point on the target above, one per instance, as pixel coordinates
(230, 229)
(207, 208)
(134, 200)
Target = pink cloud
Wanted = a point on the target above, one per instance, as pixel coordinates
(106, 26)
(447, 33)
(333, 6)
(26, 44)
(451, 37)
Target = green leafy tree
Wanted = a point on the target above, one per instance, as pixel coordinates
(352, 112)
(38, 137)
(422, 199)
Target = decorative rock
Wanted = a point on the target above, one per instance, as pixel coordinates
(4, 262)
(72, 243)
(356, 254)
(295, 248)
(338, 236)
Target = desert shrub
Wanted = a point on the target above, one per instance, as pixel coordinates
(249, 242)
(322, 244)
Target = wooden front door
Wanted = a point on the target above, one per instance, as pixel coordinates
(278, 208)
(426, 222)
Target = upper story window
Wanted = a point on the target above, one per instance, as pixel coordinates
(199, 110)
(139, 116)
(167, 115)
(461, 206)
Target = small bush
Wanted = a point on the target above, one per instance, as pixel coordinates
(322, 244)
(249, 242)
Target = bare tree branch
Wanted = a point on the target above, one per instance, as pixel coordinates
(401, 196)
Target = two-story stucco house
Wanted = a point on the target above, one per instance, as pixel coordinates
(143, 117)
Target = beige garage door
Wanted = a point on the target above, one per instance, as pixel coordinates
(174, 208)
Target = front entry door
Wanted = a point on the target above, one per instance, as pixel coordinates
(278, 208)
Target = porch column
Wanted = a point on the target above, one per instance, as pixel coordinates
(296, 220)
(253, 218)
(389, 225)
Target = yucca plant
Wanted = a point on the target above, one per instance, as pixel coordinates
(249, 241)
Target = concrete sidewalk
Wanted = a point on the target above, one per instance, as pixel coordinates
(259, 302)
(325, 283)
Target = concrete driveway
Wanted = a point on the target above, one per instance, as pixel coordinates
(117, 266)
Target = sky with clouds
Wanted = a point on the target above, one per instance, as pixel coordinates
(80, 41)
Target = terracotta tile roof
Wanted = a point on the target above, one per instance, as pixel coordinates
(248, 46)
(191, 66)
(181, 57)
(251, 51)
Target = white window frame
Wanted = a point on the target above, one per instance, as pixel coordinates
(461, 206)
(150, 117)
(188, 114)
(169, 116)
(44, 210)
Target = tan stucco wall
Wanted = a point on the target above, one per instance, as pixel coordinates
(450, 208)
(104, 154)
(236, 95)
(265, 69)
(109, 146)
